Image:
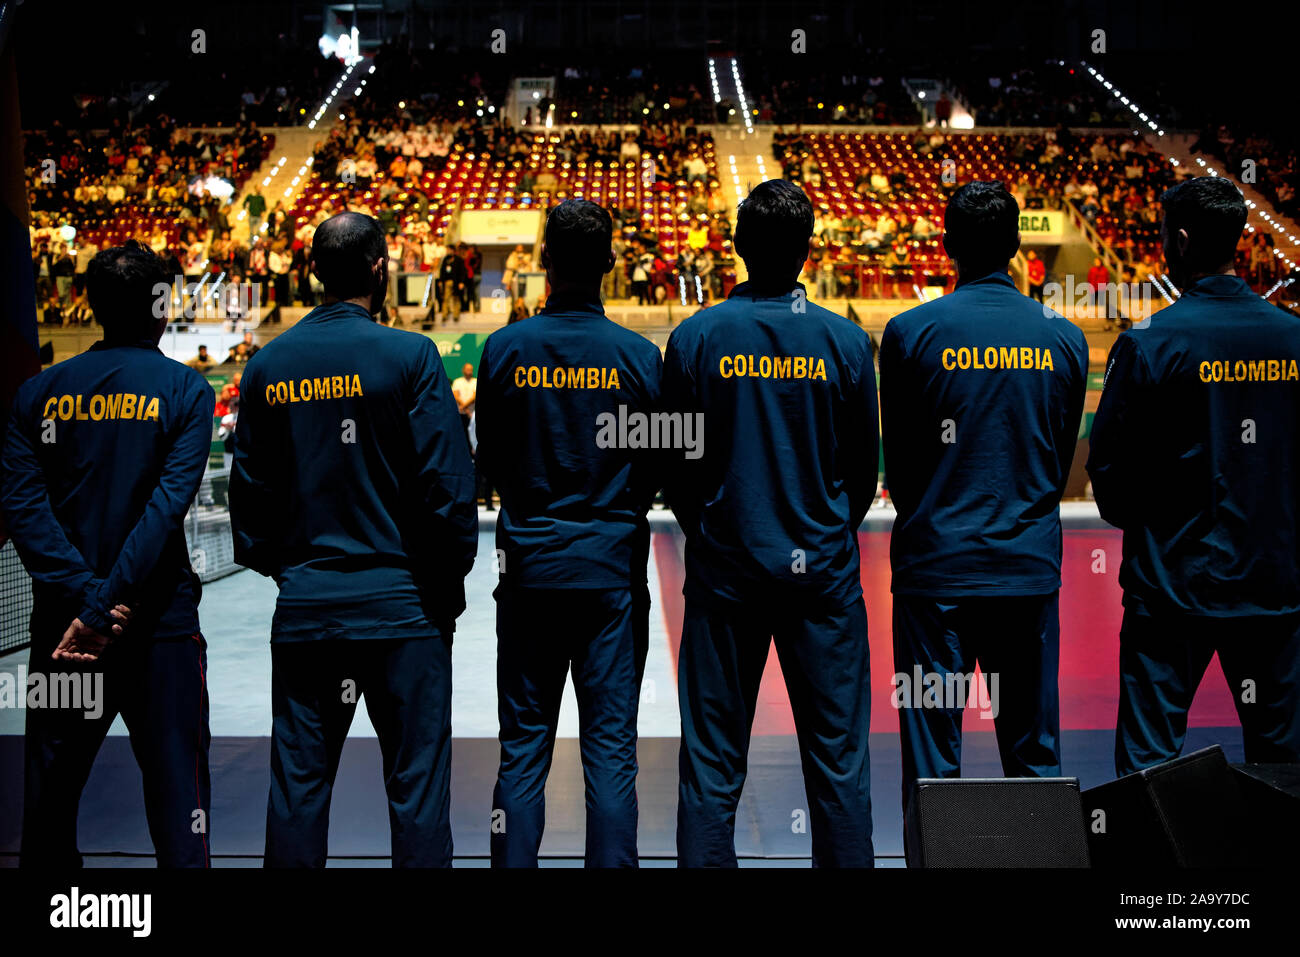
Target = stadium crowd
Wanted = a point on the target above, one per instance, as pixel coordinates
(167, 186)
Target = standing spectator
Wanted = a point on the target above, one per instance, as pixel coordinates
(465, 390)
(1036, 274)
(641, 267)
(85, 253)
(943, 111)
(516, 264)
(280, 263)
(255, 205)
(258, 267)
(63, 268)
(451, 283)
(43, 270)
(474, 265)
(827, 287)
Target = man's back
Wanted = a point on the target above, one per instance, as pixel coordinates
(788, 394)
(982, 392)
(572, 505)
(1195, 454)
(352, 483)
(102, 434)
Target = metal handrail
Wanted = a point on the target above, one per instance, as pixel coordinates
(1103, 248)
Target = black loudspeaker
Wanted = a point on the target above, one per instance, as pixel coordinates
(1187, 812)
(1271, 794)
(996, 822)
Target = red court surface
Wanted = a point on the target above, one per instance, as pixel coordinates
(1090, 620)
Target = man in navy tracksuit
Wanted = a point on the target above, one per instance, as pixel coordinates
(1195, 454)
(572, 540)
(104, 455)
(771, 510)
(981, 393)
(353, 488)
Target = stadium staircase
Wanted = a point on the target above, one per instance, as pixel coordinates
(744, 160)
(926, 92)
(293, 149)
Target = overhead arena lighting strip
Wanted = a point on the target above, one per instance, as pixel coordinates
(740, 95)
(1154, 126)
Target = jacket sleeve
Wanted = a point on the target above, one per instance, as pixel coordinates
(648, 464)
(864, 466)
(899, 400)
(1067, 434)
(253, 498)
(1114, 455)
(680, 475)
(444, 471)
(485, 398)
(47, 554)
(165, 511)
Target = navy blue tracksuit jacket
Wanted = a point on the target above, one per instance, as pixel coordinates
(547, 416)
(788, 392)
(981, 395)
(104, 455)
(1195, 455)
(352, 483)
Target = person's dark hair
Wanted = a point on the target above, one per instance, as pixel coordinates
(344, 249)
(1213, 211)
(982, 227)
(579, 236)
(121, 285)
(773, 225)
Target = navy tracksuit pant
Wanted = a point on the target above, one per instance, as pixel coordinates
(1162, 660)
(543, 635)
(826, 663)
(1015, 638)
(314, 689)
(160, 689)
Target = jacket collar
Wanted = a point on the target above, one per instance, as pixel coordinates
(147, 344)
(746, 290)
(571, 302)
(992, 278)
(337, 310)
(1219, 287)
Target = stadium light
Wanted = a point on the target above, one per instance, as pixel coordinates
(740, 95)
